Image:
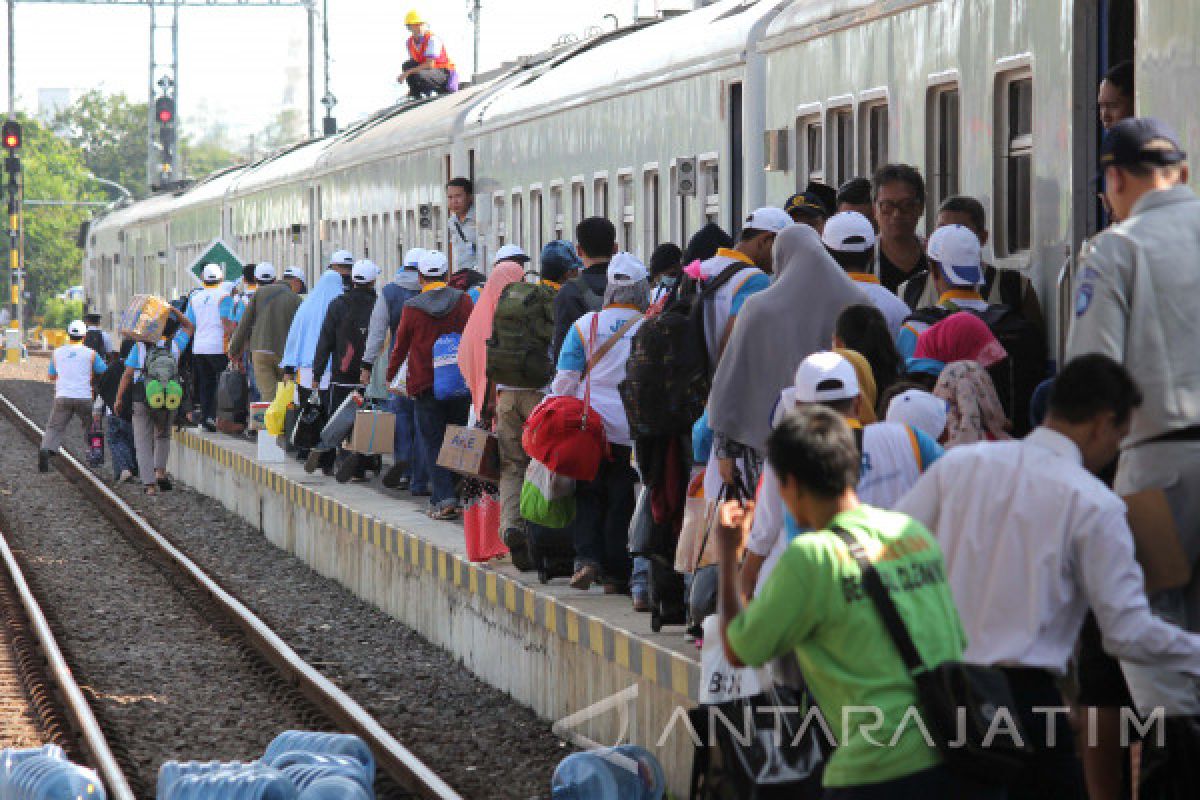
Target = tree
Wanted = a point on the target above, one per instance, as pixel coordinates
(110, 129)
(53, 169)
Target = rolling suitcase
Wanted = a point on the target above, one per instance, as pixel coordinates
(667, 606)
(552, 550)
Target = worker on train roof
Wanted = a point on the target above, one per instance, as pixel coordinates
(428, 70)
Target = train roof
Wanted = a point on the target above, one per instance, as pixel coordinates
(703, 39)
(280, 168)
(797, 21)
(141, 211)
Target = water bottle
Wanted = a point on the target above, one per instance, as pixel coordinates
(627, 772)
(247, 782)
(45, 777)
(304, 768)
(10, 757)
(340, 744)
(172, 771)
(334, 787)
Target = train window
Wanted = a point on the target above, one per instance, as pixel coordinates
(943, 143)
(1016, 172)
(537, 225)
(439, 229)
(600, 196)
(577, 201)
(651, 204)
(627, 209)
(558, 219)
(841, 129)
(410, 228)
(710, 189)
(518, 220)
(874, 136)
(499, 228)
(810, 151)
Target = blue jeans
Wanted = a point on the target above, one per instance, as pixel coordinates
(433, 416)
(120, 445)
(603, 509)
(408, 446)
(639, 582)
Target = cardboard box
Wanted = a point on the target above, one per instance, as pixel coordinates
(470, 451)
(269, 451)
(258, 416)
(145, 318)
(374, 433)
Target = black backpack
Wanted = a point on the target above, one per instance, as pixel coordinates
(665, 377)
(1017, 376)
(95, 339)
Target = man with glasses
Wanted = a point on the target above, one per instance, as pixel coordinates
(898, 194)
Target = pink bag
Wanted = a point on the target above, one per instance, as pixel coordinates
(482, 525)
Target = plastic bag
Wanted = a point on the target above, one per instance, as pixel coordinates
(721, 681)
(481, 524)
(276, 416)
(547, 499)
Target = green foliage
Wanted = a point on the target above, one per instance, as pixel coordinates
(58, 313)
(53, 170)
(110, 129)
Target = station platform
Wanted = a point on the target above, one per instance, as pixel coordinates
(583, 660)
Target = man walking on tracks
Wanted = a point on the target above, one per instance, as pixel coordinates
(71, 367)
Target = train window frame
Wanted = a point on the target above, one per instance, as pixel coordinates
(873, 106)
(627, 209)
(1013, 174)
(439, 227)
(810, 131)
(518, 217)
(708, 186)
(840, 140)
(651, 208)
(537, 219)
(578, 201)
(558, 217)
(600, 198)
(943, 156)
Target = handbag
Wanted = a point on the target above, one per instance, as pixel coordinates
(958, 701)
(276, 416)
(566, 433)
(310, 421)
(547, 499)
(481, 528)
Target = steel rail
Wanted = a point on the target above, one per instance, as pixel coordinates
(76, 706)
(397, 760)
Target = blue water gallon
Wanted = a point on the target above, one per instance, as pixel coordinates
(47, 777)
(10, 757)
(332, 744)
(242, 782)
(334, 787)
(627, 772)
(172, 771)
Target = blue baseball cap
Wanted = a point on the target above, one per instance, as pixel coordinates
(561, 253)
(1140, 140)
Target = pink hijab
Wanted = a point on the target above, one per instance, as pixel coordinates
(960, 337)
(472, 352)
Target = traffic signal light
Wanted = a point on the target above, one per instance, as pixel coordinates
(11, 134)
(164, 109)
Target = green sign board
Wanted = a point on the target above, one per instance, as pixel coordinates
(219, 253)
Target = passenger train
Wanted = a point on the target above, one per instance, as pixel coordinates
(702, 116)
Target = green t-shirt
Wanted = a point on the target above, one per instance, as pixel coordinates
(814, 603)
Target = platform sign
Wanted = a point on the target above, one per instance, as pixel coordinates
(219, 253)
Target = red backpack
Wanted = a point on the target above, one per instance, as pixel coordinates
(566, 433)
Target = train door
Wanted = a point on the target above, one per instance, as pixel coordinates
(736, 159)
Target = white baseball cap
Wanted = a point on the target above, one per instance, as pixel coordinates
(412, 257)
(626, 270)
(264, 271)
(956, 250)
(921, 410)
(212, 273)
(77, 330)
(293, 272)
(433, 264)
(848, 232)
(341, 258)
(769, 219)
(824, 377)
(364, 271)
(511, 252)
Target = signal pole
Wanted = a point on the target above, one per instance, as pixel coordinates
(11, 135)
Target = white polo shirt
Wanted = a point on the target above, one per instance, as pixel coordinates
(74, 365)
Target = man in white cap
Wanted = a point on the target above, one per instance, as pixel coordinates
(294, 277)
(956, 267)
(511, 252)
(850, 239)
(341, 262)
(208, 345)
(439, 310)
(264, 328)
(734, 274)
(71, 368)
(921, 410)
(893, 458)
(341, 345)
(408, 470)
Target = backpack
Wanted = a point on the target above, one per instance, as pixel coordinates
(593, 301)
(518, 351)
(95, 340)
(665, 377)
(448, 381)
(160, 378)
(1017, 376)
(704, 293)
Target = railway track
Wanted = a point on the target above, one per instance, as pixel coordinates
(292, 682)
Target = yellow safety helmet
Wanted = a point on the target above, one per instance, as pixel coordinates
(413, 18)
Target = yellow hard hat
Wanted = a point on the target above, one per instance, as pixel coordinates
(413, 18)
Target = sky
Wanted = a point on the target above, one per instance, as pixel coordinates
(234, 63)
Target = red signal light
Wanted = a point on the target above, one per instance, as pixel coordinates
(12, 134)
(11, 141)
(164, 116)
(164, 109)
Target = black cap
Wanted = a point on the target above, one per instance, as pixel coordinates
(808, 203)
(826, 194)
(1140, 140)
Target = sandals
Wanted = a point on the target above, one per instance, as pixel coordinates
(444, 514)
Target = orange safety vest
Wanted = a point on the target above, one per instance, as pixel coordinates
(417, 53)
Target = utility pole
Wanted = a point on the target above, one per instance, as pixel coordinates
(476, 25)
(328, 124)
(12, 166)
(312, 70)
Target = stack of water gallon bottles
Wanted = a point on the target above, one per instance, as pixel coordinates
(44, 773)
(298, 765)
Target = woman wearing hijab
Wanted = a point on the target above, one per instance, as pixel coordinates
(604, 505)
(301, 347)
(512, 406)
(776, 330)
(959, 337)
(863, 328)
(866, 384)
(973, 412)
(703, 245)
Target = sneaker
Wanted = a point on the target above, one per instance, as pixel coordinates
(518, 548)
(313, 461)
(641, 601)
(165, 484)
(348, 469)
(584, 577)
(43, 460)
(394, 477)
(125, 475)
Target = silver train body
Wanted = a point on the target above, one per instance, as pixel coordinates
(701, 117)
